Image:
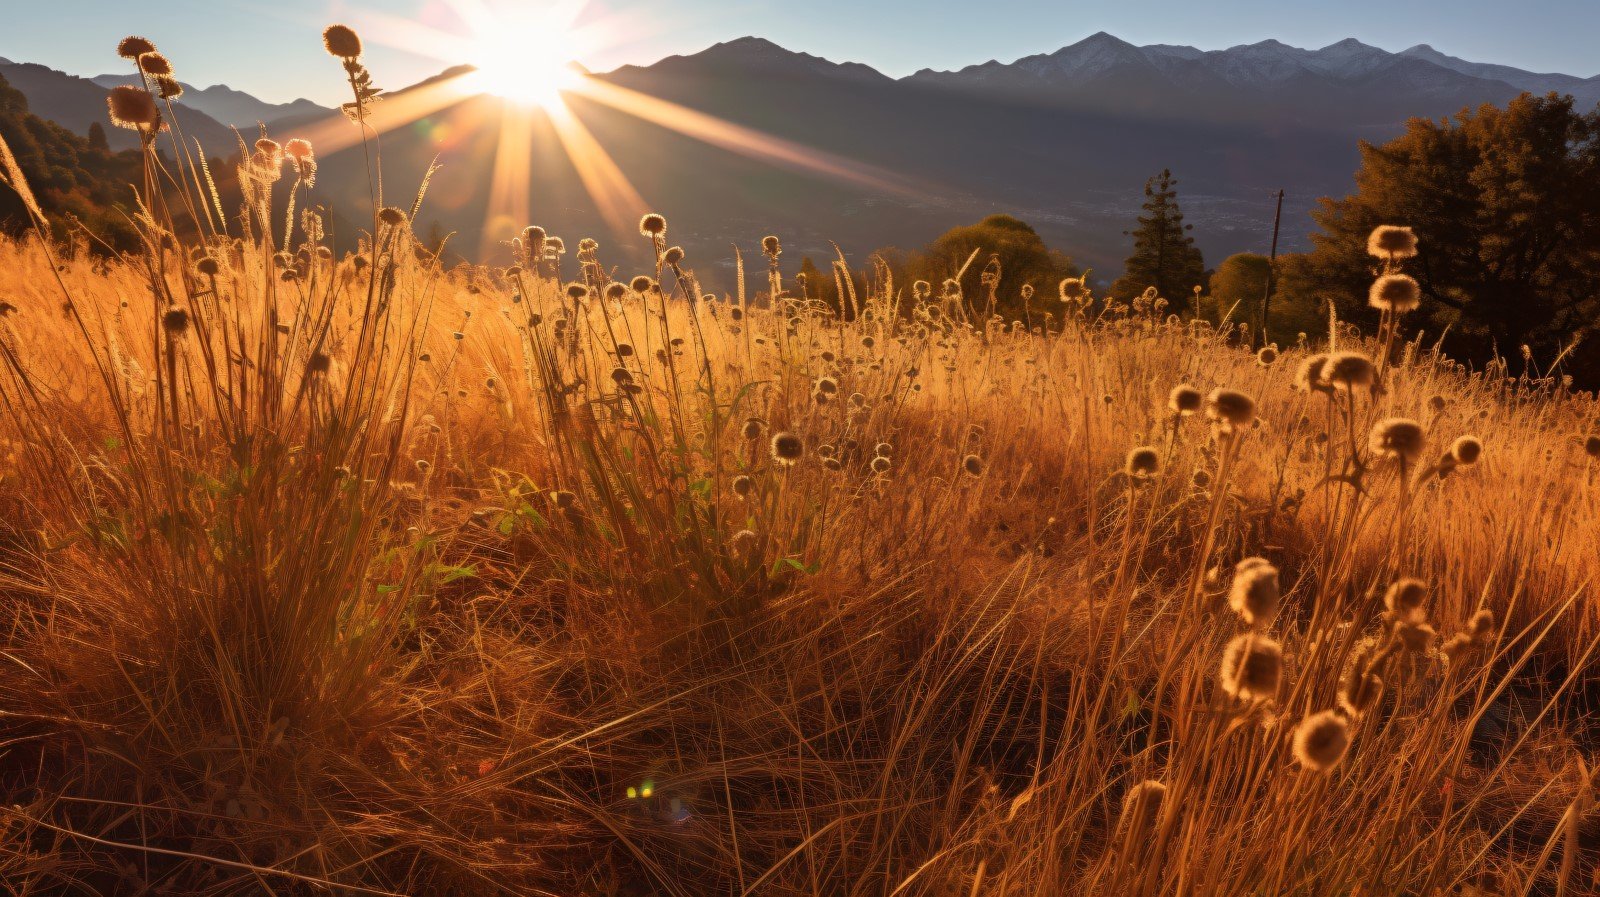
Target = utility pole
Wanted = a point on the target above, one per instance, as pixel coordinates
(1272, 265)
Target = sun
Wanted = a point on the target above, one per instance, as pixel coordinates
(527, 61)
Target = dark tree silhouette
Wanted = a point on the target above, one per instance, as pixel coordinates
(1164, 255)
(1506, 204)
(1023, 259)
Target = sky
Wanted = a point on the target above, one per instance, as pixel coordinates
(271, 49)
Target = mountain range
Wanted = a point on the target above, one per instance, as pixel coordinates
(1063, 140)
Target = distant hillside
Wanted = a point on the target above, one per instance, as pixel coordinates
(71, 176)
(228, 106)
(76, 103)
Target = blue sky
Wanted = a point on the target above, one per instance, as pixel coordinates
(271, 48)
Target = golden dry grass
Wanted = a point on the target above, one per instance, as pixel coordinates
(379, 578)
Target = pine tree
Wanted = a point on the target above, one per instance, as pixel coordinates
(97, 138)
(1164, 255)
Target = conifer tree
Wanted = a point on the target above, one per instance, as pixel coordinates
(1164, 255)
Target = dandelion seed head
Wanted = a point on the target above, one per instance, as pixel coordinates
(1350, 370)
(653, 225)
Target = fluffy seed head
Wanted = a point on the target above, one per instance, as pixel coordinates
(1405, 599)
(1185, 399)
(1390, 241)
(133, 47)
(1591, 446)
(1267, 356)
(881, 464)
(1398, 293)
(1142, 463)
(1142, 805)
(1466, 450)
(1072, 289)
(1254, 596)
(673, 256)
(770, 246)
(1415, 637)
(392, 216)
(743, 485)
(653, 225)
(752, 428)
(1349, 371)
(341, 41)
(207, 266)
(787, 448)
(1321, 740)
(175, 320)
(1398, 438)
(153, 63)
(1360, 691)
(1481, 626)
(132, 108)
(1309, 377)
(642, 284)
(1231, 407)
(1252, 665)
(973, 465)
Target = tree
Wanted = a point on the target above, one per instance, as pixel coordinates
(1020, 253)
(1506, 204)
(1236, 288)
(1164, 255)
(97, 138)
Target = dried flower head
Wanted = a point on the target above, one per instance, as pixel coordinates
(1230, 407)
(1072, 289)
(1252, 666)
(1390, 241)
(1267, 356)
(787, 448)
(1405, 599)
(153, 63)
(881, 464)
(672, 257)
(207, 266)
(1398, 438)
(175, 320)
(1481, 626)
(642, 284)
(392, 216)
(1349, 371)
(1142, 463)
(1321, 739)
(134, 47)
(132, 108)
(743, 485)
(653, 225)
(1361, 690)
(752, 428)
(1309, 377)
(341, 41)
(1591, 446)
(1254, 596)
(1398, 293)
(1141, 807)
(1466, 450)
(973, 465)
(1185, 399)
(1414, 637)
(771, 247)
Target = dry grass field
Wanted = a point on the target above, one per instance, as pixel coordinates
(346, 573)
